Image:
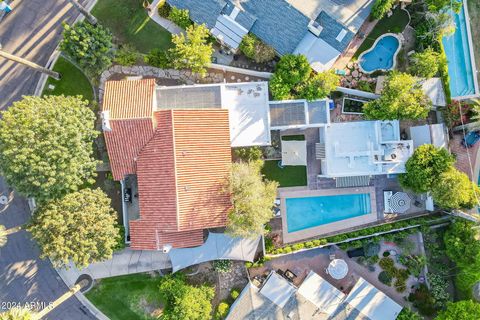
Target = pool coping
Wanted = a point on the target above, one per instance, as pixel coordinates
(400, 41)
(472, 56)
(329, 227)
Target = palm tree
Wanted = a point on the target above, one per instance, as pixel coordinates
(90, 18)
(29, 64)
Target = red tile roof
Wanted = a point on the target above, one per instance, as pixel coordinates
(180, 158)
(129, 99)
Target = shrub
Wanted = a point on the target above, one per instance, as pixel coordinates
(121, 239)
(89, 46)
(372, 249)
(422, 300)
(373, 259)
(234, 294)
(181, 17)
(255, 49)
(222, 310)
(126, 55)
(414, 263)
(424, 64)
(385, 278)
(248, 154)
(388, 265)
(222, 266)
(164, 9)
(157, 58)
(269, 246)
(298, 246)
(365, 86)
(381, 7)
(386, 253)
(439, 289)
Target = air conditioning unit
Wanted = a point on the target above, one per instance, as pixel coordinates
(166, 248)
(315, 28)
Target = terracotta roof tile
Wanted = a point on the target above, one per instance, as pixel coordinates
(124, 143)
(129, 99)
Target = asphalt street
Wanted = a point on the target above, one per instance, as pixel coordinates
(31, 31)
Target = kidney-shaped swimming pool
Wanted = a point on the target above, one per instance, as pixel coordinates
(382, 55)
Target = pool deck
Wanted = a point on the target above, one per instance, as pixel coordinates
(330, 227)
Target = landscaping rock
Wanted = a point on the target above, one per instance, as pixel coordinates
(355, 73)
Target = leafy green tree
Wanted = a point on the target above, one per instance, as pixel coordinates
(255, 49)
(460, 242)
(461, 310)
(424, 64)
(89, 46)
(252, 199)
(468, 275)
(16, 314)
(192, 51)
(319, 86)
(408, 314)
(183, 301)
(290, 72)
(439, 5)
(401, 98)
(46, 146)
(381, 7)
(454, 190)
(181, 17)
(424, 168)
(248, 153)
(80, 227)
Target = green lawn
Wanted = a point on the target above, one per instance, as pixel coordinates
(288, 176)
(73, 81)
(395, 24)
(127, 297)
(129, 22)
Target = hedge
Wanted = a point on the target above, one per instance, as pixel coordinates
(421, 221)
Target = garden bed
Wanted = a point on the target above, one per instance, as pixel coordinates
(352, 106)
(72, 83)
(130, 24)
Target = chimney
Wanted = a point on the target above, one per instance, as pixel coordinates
(106, 121)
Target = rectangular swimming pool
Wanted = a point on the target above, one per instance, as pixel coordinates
(457, 50)
(308, 212)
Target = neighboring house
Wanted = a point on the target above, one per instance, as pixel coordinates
(319, 29)
(315, 299)
(170, 147)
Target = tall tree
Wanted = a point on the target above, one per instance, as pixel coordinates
(252, 200)
(90, 46)
(424, 167)
(461, 243)
(401, 98)
(461, 310)
(424, 64)
(80, 227)
(192, 50)
(454, 190)
(83, 11)
(46, 146)
(290, 73)
(183, 301)
(319, 86)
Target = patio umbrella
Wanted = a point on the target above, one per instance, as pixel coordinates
(400, 202)
(294, 153)
(338, 269)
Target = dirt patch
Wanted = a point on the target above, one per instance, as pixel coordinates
(154, 310)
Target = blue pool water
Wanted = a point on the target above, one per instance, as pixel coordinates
(304, 213)
(381, 57)
(457, 49)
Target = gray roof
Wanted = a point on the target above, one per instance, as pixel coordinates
(331, 29)
(201, 11)
(195, 97)
(293, 113)
(244, 18)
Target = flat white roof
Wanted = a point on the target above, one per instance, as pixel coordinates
(420, 135)
(372, 302)
(319, 53)
(247, 103)
(429, 134)
(277, 289)
(321, 293)
(364, 148)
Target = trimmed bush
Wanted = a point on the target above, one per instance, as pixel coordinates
(253, 48)
(164, 9)
(222, 310)
(388, 265)
(157, 58)
(181, 17)
(234, 294)
(126, 55)
(386, 253)
(385, 278)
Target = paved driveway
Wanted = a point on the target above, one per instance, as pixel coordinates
(32, 31)
(24, 278)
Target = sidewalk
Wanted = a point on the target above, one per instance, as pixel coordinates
(167, 24)
(124, 262)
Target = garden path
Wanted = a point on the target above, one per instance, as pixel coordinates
(165, 23)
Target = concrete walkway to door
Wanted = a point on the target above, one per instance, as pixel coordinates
(167, 24)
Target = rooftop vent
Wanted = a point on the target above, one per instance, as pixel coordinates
(341, 35)
(315, 28)
(106, 121)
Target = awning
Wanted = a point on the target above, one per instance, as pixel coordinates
(218, 246)
(294, 153)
